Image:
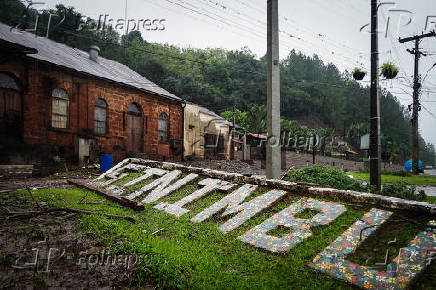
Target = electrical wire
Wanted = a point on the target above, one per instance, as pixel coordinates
(428, 111)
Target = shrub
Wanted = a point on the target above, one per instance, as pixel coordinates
(401, 190)
(334, 178)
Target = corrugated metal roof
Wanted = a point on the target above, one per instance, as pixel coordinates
(218, 118)
(78, 60)
(258, 136)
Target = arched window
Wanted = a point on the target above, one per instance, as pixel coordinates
(134, 109)
(10, 105)
(8, 82)
(163, 127)
(59, 109)
(100, 117)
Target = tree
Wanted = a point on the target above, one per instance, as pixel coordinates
(256, 119)
(217, 79)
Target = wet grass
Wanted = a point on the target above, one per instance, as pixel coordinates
(183, 254)
(422, 179)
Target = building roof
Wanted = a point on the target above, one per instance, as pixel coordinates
(218, 118)
(75, 59)
(258, 136)
(18, 49)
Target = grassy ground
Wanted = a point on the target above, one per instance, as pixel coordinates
(414, 179)
(187, 255)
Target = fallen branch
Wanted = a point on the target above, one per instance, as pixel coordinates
(83, 198)
(31, 194)
(24, 215)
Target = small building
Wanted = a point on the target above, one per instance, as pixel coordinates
(207, 135)
(61, 103)
(256, 146)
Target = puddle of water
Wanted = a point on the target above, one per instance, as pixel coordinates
(430, 172)
(429, 190)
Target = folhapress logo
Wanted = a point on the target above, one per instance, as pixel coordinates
(104, 22)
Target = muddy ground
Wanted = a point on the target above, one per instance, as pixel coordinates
(57, 180)
(49, 252)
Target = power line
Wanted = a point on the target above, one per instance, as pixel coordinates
(394, 42)
(180, 59)
(147, 51)
(220, 6)
(74, 33)
(428, 111)
(416, 93)
(208, 16)
(319, 36)
(216, 24)
(206, 13)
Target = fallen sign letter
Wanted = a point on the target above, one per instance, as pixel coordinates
(250, 209)
(409, 263)
(300, 228)
(209, 186)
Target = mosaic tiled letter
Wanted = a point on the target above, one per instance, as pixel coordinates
(122, 189)
(159, 184)
(410, 261)
(249, 209)
(209, 186)
(117, 190)
(147, 174)
(230, 201)
(158, 193)
(117, 173)
(113, 180)
(300, 228)
(332, 259)
(405, 267)
(114, 169)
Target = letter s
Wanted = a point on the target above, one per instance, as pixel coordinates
(155, 25)
(162, 23)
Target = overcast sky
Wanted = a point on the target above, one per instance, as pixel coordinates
(331, 29)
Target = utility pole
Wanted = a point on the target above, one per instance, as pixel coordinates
(234, 122)
(374, 145)
(314, 142)
(126, 23)
(416, 92)
(273, 154)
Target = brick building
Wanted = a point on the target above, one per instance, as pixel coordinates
(59, 103)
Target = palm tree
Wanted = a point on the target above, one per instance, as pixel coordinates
(256, 119)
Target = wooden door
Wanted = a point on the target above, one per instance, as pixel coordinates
(134, 133)
(10, 112)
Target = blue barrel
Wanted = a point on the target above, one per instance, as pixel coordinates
(408, 165)
(105, 162)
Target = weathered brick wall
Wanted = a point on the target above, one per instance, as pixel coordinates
(82, 92)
